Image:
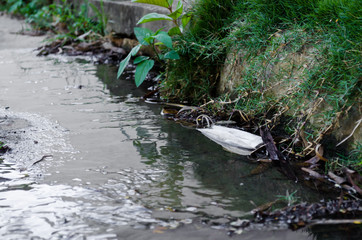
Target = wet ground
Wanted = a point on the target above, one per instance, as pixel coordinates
(90, 160)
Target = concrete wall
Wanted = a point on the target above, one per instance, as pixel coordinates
(123, 15)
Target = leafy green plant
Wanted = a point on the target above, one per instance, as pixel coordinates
(77, 19)
(15, 5)
(45, 15)
(24, 7)
(202, 49)
(160, 41)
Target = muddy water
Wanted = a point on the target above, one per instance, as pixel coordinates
(91, 160)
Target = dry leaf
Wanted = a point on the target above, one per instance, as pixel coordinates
(339, 180)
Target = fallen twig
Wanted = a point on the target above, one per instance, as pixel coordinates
(276, 155)
(38, 161)
(349, 173)
(354, 129)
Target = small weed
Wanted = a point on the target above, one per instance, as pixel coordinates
(352, 160)
(288, 198)
(101, 16)
(64, 18)
(23, 7)
(160, 41)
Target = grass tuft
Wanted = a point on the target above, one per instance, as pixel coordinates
(298, 58)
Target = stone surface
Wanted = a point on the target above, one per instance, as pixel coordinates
(123, 15)
(282, 69)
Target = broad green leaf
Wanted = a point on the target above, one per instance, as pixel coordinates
(141, 71)
(123, 65)
(185, 20)
(135, 49)
(142, 35)
(149, 39)
(164, 38)
(172, 55)
(140, 59)
(177, 13)
(170, 2)
(154, 17)
(161, 3)
(125, 61)
(174, 31)
(159, 30)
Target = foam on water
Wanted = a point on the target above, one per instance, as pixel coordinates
(32, 138)
(59, 211)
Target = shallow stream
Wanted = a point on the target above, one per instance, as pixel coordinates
(91, 160)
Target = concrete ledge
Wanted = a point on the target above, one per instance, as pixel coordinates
(124, 15)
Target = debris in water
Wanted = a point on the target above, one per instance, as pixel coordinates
(298, 216)
(191, 209)
(232, 139)
(276, 155)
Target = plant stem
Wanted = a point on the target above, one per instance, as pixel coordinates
(155, 50)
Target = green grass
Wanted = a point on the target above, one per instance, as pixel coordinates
(192, 78)
(352, 160)
(268, 33)
(218, 25)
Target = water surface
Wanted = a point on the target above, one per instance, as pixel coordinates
(90, 159)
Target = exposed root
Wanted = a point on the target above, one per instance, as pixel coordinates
(354, 129)
(204, 120)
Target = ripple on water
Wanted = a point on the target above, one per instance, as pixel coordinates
(178, 170)
(54, 211)
(59, 211)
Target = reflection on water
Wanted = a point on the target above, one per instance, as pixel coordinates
(114, 160)
(196, 172)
